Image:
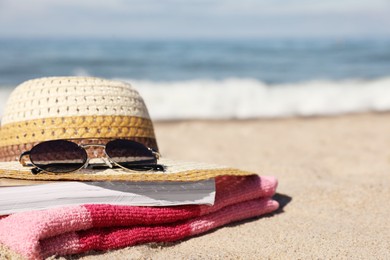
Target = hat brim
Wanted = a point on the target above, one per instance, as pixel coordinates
(175, 171)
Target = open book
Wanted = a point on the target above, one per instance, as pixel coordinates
(55, 194)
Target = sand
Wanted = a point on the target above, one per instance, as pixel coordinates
(334, 187)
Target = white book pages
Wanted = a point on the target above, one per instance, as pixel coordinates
(44, 196)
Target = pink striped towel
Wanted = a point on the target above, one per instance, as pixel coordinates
(77, 229)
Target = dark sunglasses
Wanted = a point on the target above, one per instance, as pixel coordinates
(63, 156)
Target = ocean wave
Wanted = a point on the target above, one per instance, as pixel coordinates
(236, 98)
(249, 98)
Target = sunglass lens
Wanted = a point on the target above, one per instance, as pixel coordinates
(128, 153)
(58, 156)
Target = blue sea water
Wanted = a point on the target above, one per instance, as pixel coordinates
(270, 61)
(242, 78)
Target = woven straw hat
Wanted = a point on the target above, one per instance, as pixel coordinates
(84, 108)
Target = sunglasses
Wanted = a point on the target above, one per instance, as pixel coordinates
(63, 156)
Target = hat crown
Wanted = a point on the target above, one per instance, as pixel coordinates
(73, 108)
(72, 96)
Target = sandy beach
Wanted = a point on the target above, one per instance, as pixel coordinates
(334, 187)
(298, 91)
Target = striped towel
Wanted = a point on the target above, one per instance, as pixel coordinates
(77, 229)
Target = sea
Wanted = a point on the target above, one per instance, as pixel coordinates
(218, 79)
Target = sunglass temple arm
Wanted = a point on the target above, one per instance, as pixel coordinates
(155, 153)
(21, 159)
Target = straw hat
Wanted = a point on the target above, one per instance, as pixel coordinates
(85, 108)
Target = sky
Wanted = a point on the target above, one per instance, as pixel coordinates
(194, 18)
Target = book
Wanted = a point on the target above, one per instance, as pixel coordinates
(25, 196)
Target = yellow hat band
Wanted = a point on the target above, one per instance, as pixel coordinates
(17, 135)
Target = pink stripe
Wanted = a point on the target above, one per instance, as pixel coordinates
(111, 215)
(22, 232)
(111, 238)
(239, 211)
(234, 189)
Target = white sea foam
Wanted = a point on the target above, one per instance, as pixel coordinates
(249, 98)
